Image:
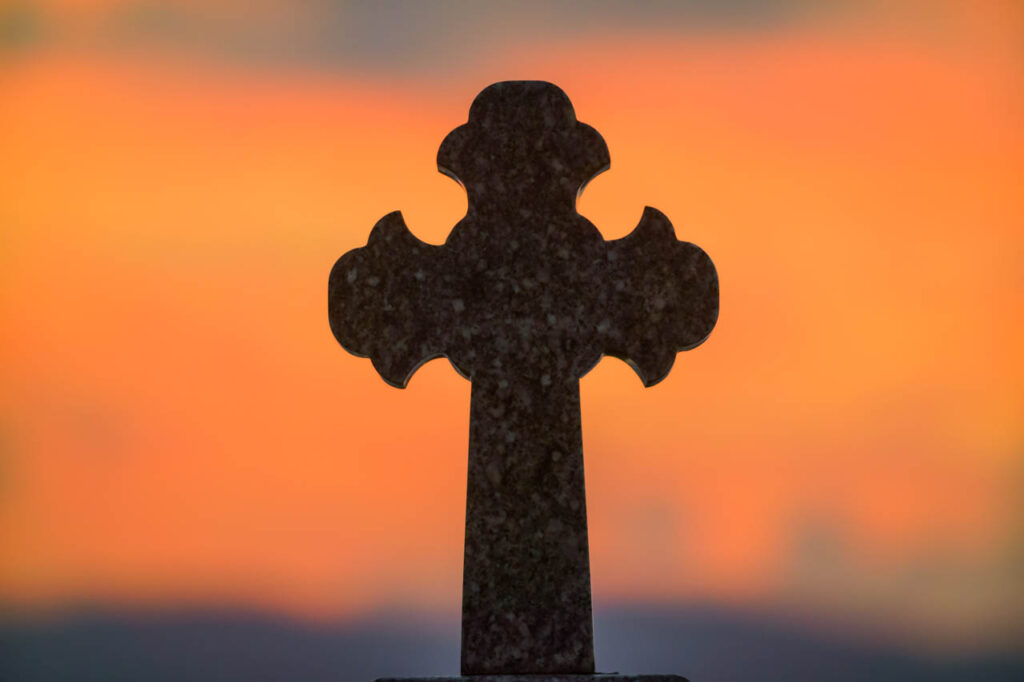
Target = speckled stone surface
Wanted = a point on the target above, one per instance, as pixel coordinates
(524, 298)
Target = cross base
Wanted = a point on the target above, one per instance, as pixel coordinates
(543, 677)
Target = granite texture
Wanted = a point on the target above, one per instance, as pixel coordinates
(524, 298)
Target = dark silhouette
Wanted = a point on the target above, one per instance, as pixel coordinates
(524, 298)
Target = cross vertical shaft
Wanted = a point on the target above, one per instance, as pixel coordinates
(526, 611)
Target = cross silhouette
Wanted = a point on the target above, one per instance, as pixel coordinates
(524, 298)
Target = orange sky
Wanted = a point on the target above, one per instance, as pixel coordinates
(180, 425)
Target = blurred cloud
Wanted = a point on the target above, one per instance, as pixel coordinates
(411, 36)
(703, 643)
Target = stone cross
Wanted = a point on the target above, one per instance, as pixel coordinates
(524, 298)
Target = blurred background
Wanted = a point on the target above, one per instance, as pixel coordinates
(198, 483)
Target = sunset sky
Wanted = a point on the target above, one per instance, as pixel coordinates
(179, 426)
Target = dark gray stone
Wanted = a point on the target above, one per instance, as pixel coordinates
(524, 298)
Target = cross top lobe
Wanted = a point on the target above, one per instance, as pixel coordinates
(524, 284)
(523, 140)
